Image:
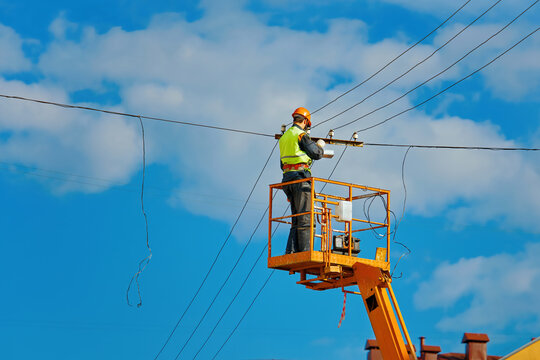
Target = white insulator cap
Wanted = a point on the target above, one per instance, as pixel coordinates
(355, 135)
(331, 134)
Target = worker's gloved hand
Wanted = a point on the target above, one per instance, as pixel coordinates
(321, 143)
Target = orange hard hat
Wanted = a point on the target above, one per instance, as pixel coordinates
(305, 113)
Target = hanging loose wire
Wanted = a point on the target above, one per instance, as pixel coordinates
(412, 67)
(391, 61)
(144, 262)
(402, 213)
(218, 254)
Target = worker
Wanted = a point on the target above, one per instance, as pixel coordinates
(297, 152)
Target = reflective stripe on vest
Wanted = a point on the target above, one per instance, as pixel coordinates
(289, 147)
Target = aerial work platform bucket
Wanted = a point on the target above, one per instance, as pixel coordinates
(335, 234)
(337, 258)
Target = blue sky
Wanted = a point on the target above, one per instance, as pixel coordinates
(73, 231)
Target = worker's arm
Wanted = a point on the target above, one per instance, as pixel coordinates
(310, 147)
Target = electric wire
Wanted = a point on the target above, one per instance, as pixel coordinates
(491, 148)
(246, 278)
(269, 135)
(109, 184)
(367, 214)
(442, 72)
(402, 213)
(244, 315)
(218, 254)
(69, 106)
(109, 181)
(222, 285)
(146, 260)
(449, 87)
(392, 61)
(348, 123)
(411, 68)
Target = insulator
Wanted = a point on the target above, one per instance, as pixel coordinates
(331, 134)
(355, 135)
(283, 128)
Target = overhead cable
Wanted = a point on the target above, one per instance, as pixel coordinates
(392, 61)
(107, 183)
(244, 315)
(222, 286)
(246, 278)
(443, 71)
(411, 68)
(68, 106)
(451, 86)
(217, 255)
(456, 147)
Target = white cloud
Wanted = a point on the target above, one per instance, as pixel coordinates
(233, 70)
(166, 98)
(12, 58)
(60, 27)
(502, 290)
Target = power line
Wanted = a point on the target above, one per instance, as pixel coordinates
(392, 61)
(451, 86)
(455, 147)
(111, 182)
(68, 106)
(107, 183)
(238, 292)
(411, 68)
(221, 287)
(218, 254)
(246, 278)
(244, 315)
(444, 70)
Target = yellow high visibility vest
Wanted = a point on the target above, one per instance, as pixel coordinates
(289, 147)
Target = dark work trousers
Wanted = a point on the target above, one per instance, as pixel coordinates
(299, 196)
